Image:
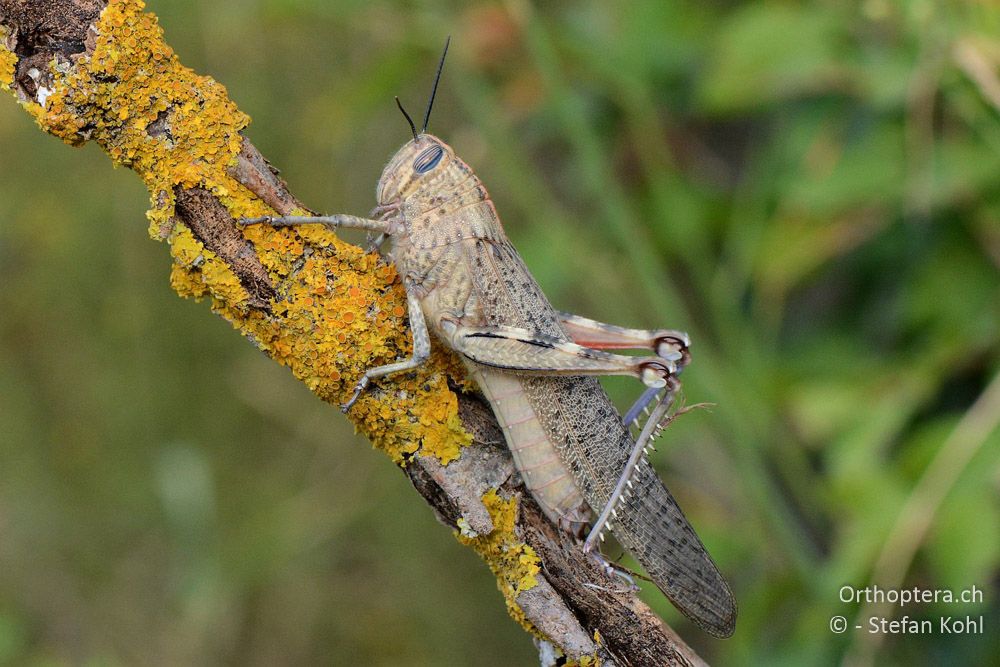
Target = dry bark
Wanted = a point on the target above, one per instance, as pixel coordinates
(49, 39)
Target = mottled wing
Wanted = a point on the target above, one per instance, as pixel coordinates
(594, 445)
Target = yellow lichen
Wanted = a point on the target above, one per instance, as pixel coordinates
(514, 563)
(338, 310)
(590, 660)
(8, 61)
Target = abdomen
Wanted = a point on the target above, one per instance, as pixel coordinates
(533, 449)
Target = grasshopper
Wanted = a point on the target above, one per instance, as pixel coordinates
(538, 368)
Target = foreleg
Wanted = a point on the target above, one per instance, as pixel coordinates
(332, 221)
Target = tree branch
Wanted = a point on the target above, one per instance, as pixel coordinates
(90, 70)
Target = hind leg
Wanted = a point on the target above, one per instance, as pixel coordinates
(635, 460)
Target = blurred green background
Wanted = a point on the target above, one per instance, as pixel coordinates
(811, 189)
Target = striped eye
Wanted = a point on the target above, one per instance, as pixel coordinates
(428, 159)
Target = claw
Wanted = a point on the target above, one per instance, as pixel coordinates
(611, 569)
(358, 388)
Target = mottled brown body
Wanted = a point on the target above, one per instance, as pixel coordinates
(567, 439)
(536, 366)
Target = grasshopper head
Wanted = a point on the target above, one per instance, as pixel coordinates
(423, 169)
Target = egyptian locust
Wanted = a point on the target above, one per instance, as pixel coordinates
(538, 368)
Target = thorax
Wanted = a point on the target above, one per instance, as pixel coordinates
(432, 221)
(438, 232)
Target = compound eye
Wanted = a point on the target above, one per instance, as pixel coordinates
(428, 159)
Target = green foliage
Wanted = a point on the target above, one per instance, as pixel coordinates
(810, 189)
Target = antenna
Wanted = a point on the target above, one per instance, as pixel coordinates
(437, 79)
(413, 128)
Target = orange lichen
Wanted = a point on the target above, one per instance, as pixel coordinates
(8, 60)
(337, 310)
(127, 92)
(515, 563)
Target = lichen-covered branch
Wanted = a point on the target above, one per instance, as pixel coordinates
(91, 70)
